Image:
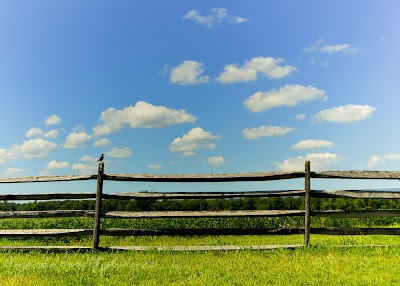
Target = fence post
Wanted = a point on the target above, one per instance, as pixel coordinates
(99, 193)
(307, 204)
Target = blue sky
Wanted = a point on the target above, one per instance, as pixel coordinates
(198, 86)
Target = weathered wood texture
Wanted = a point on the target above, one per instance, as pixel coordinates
(260, 176)
(44, 232)
(357, 194)
(356, 214)
(307, 204)
(200, 231)
(148, 248)
(201, 178)
(99, 198)
(53, 196)
(204, 214)
(51, 249)
(42, 179)
(205, 247)
(202, 195)
(257, 176)
(41, 214)
(385, 175)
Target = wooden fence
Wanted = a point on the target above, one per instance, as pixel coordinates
(98, 214)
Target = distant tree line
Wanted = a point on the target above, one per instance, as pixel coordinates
(273, 203)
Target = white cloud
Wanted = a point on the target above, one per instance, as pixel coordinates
(331, 49)
(308, 144)
(301, 117)
(266, 131)
(6, 155)
(52, 134)
(196, 139)
(154, 166)
(216, 16)
(342, 48)
(13, 171)
(216, 161)
(29, 149)
(37, 132)
(380, 160)
(142, 115)
(119, 152)
(318, 161)
(34, 132)
(344, 114)
(187, 73)
(239, 20)
(85, 168)
(76, 140)
(88, 159)
(33, 148)
(315, 47)
(52, 120)
(102, 143)
(288, 95)
(57, 165)
(266, 66)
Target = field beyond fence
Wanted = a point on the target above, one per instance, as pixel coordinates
(98, 216)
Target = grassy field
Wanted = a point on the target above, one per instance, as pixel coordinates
(312, 266)
(324, 263)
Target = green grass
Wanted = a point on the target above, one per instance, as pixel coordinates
(324, 263)
(313, 266)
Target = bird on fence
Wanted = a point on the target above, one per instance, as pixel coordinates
(101, 158)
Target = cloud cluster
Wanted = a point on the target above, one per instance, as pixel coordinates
(380, 160)
(52, 120)
(35, 132)
(104, 142)
(266, 131)
(309, 144)
(266, 66)
(154, 166)
(319, 161)
(188, 72)
(345, 114)
(57, 165)
(119, 152)
(195, 139)
(13, 171)
(216, 161)
(288, 95)
(331, 49)
(76, 140)
(33, 148)
(191, 72)
(142, 115)
(215, 16)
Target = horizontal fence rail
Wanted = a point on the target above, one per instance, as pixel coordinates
(198, 178)
(42, 179)
(46, 197)
(202, 195)
(99, 213)
(365, 175)
(356, 194)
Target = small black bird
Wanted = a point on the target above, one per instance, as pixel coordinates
(101, 158)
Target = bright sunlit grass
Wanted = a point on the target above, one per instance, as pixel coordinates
(312, 266)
